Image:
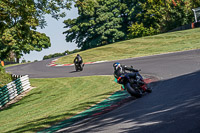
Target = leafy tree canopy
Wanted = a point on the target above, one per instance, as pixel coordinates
(166, 15)
(102, 22)
(19, 20)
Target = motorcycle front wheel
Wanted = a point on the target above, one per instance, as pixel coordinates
(133, 91)
(81, 68)
(76, 67)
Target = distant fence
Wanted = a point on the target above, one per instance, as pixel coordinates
(196, 24)
(13, 89)
(9, 62)
(187, 26)
(184, 27)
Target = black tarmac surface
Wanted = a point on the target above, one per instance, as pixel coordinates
(172, 107)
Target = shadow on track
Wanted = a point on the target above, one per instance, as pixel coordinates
(174, 106)
(75, 71)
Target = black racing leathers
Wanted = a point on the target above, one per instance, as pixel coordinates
(78, 59)
(122, 71)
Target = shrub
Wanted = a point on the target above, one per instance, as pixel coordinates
(138, 30)
(60, 54)
(5, 78)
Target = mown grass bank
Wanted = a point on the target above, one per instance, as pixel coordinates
(54, 100)
(151, 45)
(11, 65)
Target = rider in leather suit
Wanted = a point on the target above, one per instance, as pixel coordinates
(78, 59)
(120, 70)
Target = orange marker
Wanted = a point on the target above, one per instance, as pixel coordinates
(2, 63)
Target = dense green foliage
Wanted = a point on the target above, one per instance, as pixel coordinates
(53, 55)
(100, 22)
(103, 22)
(138, 30)
(5, 78)
(60, 54)
(167, 15)
(18, 22)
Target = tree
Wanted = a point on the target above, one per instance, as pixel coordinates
(138, 30)
(100, 22)
(23, 61)
(19, 20)
(177, 14)
(166, 15)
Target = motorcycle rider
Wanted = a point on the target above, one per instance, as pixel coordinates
(120, 70)
(78, 60)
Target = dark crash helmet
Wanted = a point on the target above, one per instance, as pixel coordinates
(116, 65)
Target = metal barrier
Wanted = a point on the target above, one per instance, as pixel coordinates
(13, 89)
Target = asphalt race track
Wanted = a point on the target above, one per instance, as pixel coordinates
(173, 107)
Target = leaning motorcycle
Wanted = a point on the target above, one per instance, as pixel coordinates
(136, 87)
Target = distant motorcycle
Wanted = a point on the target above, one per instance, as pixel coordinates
(134, 86)
(78, 66)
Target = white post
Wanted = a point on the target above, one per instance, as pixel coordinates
(195, 15)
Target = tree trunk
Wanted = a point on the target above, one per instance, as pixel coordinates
(17, 60)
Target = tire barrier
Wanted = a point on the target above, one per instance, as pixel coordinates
(14, 76)
(13, 89)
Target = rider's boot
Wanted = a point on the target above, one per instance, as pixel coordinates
(141, 83)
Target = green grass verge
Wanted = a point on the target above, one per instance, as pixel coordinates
(54, 100)
(151, 45)
(11, 65)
